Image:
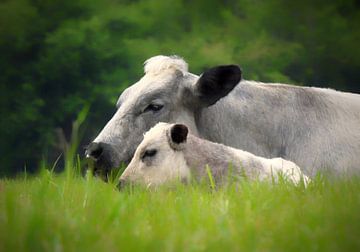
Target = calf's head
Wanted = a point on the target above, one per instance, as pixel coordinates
(159, 157)
(168, 93)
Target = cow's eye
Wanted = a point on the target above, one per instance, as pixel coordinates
(154, 107)
(148, 153)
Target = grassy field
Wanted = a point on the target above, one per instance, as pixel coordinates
(69, 212)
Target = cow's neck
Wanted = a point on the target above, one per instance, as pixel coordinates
(242, 120)
(200, 153)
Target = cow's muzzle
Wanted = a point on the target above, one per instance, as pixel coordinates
(103, 156)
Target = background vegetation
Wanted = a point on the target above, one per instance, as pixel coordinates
(59, 56)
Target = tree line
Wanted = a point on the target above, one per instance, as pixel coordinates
(59, 56)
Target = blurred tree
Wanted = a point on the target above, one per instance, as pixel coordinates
(58, 56)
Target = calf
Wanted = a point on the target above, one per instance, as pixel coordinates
(168, 153)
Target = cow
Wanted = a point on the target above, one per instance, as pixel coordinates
(170, 153)
(316, 128)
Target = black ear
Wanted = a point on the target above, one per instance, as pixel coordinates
(216, 83)
(178, 133)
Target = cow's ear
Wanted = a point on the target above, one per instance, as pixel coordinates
(177, 135)
(216, 83)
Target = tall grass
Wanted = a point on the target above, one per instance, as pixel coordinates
(58, 212)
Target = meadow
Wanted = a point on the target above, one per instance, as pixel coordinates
(74, 212)
(66, 60)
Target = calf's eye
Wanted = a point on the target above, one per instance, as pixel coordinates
(148, 153)
(154, 107)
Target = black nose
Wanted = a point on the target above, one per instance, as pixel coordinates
(94, 150)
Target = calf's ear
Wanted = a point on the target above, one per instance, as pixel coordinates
(216, 83)
(177, 135)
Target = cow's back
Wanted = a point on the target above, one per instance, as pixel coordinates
(318, 129)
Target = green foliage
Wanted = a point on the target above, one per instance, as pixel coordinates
(60, 56)
(70, 213)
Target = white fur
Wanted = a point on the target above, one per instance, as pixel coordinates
(160, 63)
(155, 132)
(288, 169)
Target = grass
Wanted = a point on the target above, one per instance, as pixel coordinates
(68, 212)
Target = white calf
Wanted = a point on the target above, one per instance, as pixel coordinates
(168, 153)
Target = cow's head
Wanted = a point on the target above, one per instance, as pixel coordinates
(166, 93)
(159, 158)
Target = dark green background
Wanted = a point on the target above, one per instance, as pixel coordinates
(57, 56)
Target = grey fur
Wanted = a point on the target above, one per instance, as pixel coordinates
(318, 129)
(200, 153)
